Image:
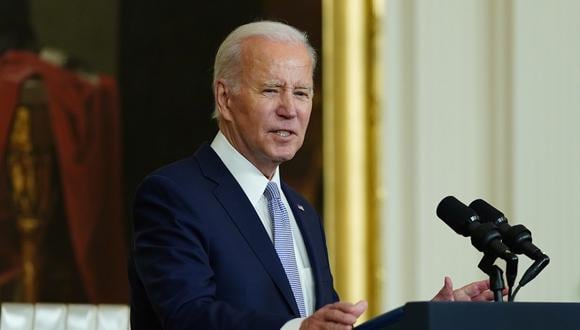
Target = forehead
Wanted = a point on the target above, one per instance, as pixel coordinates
(266, 59)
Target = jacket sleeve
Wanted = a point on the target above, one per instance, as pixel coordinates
(171, 257)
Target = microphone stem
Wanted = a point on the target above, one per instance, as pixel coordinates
(511, 273)
(496, 283)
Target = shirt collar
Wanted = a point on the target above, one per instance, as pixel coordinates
(252, 181)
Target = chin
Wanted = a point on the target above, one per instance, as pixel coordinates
(281, 157)
(282, 153)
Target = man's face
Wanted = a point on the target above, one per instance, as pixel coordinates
(266, 118)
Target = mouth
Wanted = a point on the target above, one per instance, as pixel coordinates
(283, 133)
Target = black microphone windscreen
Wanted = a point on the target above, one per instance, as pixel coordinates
(456, 215)
(486, 212)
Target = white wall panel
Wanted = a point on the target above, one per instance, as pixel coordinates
(547, 140)
(436, 122)
(482, 100)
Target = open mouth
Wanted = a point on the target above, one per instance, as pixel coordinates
(283, 133)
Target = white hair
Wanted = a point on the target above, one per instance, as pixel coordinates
(227, 65)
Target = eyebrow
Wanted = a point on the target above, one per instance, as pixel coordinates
(273, 83)
(278, 83)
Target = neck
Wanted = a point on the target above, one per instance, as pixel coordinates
(267, 169)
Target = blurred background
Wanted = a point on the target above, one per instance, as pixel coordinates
(107, 92)
(415, 100)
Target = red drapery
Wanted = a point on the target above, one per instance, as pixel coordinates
(85, 122)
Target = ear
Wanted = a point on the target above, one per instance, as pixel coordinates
(223, 95)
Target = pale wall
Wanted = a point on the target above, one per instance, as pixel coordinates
(482, 101)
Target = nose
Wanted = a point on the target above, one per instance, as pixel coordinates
(287, 106)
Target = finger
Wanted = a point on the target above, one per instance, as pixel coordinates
(345, 307)
(446, 292)
(360, 307)
(447, 282)
(336, 326)
(484, 296)
(330, 314)
(315, 324)
(475, 288)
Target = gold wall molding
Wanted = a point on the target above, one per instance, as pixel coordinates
(351, 81)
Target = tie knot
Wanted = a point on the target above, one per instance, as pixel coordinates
(272, 191)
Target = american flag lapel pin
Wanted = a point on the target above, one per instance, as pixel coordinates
(300, 207)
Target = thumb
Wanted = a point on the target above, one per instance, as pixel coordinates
(446, 292)
(360, 307)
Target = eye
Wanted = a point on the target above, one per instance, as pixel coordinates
(302, 94)
(269, 91)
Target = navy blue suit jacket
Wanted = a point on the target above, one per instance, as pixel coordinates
(201, 258)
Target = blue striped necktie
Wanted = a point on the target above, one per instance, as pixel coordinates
(283, 242)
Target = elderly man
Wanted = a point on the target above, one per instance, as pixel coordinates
(220, 242)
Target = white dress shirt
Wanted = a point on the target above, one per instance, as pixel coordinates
(254, 183)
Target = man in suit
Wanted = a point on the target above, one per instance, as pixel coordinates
(220, 242)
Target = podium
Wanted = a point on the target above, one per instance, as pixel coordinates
(478, 316)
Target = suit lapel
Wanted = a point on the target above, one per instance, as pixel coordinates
(309, 227)
(233, 199)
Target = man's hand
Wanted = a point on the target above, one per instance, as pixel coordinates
(476, 291)
(340, 315)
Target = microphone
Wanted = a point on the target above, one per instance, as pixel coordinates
(464, 221)
(517, 237)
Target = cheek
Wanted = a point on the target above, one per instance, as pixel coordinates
(261, 111)
(304, 118)
(252, 119)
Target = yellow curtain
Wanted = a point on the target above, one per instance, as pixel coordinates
(351, 80)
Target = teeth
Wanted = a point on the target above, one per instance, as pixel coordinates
(283, 133)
